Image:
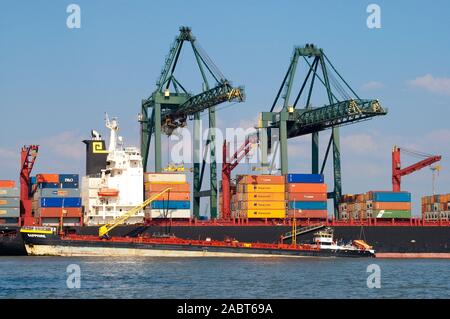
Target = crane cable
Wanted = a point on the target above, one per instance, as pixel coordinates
(415, 153)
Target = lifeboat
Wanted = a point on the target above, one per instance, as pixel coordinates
(108, 192)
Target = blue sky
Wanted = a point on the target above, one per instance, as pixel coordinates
(56, 83)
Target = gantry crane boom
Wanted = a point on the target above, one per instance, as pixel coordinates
(171, 105)
(347, 108)
(105, 229)
(398, 172)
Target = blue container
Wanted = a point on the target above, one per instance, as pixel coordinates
(308, 205)
(304, 178)
(69, 185)
(49, 185)
(391, 197)
(33, 180)
(171, 204)
(68, 178)
(60, 202)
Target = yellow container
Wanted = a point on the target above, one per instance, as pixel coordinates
(262, 205)
(262, 196)
(263, 188)
(262, 213)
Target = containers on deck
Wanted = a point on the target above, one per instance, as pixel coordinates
(436, 207)
(175, 203)
(307, 196)
(376, 204)
(259, 196)
(9, 203)
(57, 197)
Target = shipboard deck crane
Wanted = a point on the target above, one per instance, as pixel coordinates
(105, 229)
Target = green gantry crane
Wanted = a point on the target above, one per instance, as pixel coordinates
(293, 122)
(171, 105)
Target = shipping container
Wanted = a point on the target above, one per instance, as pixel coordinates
(47, 178)
(58, 212)
(8, 221)
(308, 205)
(320, 214)
(392, 213)
(54, 221)
(170, 196)
(60, 202)
(260, 179)
(70, 185)
(171, 204)
(389, 196)
(7, 184)
(50, 192)
(9, 192)
(9, 212)
(261, 196)
(306, 188)
(171, 213)
(149, 187)
(262, 213)
(261, 188)
(158, 178)
(392, 205)
(68, 178)
(9, 202)
(304, 178)
(307, 197)
(262, 205)
(49, 185)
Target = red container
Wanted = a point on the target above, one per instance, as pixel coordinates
(57, 212)
(307, 197)
(322, 214)
(306, 188)
(47, 178)
(170, 196)
(7, 184)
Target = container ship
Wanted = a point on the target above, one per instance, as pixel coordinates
(264, 208)
(253, 208)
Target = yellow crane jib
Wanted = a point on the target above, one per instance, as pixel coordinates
(105, 229)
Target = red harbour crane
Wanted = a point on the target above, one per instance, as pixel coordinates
(398, 172)
(27, 160)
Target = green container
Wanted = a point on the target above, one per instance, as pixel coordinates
(390, 213)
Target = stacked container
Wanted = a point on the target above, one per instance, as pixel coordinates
(353, 206)
(175, 203)
(388, 204)
(260, 196)
(306, 196)
(436, 207)
(9, 203)
(56, 197)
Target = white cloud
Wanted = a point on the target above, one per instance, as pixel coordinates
(432, 84)
(6, 154)
(440, 136)
(372, 85)
(359, 143)
(65, 144)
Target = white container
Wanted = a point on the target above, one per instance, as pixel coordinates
(164, 178)
(171, 213)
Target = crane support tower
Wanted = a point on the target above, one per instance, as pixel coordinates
(28, 157)
(171, 105)
(343, 106)
(398, 172)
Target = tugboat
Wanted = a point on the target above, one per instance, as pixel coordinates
(325, 241)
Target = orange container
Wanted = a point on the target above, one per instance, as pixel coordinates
(261, 179)
(261, 196)
(306, 188)
(322, 214)
(392, 205)
(47, 178)
(7, 184)
(307, 197)
(171, 195)
(57, 212)
(149, 187)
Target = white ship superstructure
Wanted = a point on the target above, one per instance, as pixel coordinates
(119, 187)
